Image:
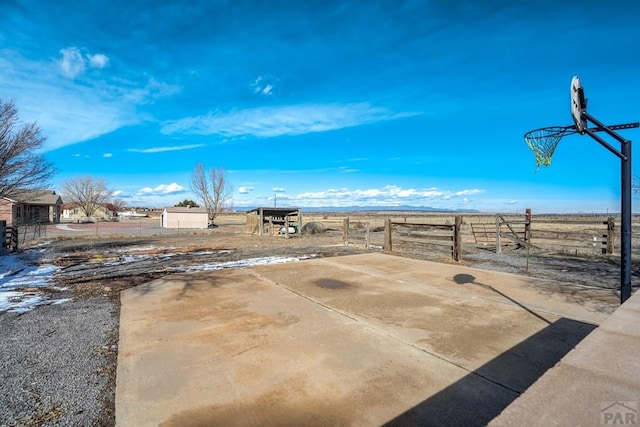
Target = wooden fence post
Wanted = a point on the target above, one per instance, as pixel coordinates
(345, 231)
(611, 235)
(3, 233)
(457, 245)
(387, 235)
(498, 243)
(367, 236)
(527, 225)
(286, 226)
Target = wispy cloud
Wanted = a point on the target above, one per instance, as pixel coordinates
(98, 60)
(162, 189)
(72, 62)
(107, 155)
(277, 190)
(245, 190)
(70, 106)
(266, 85)
(265, 122)
(163, 149)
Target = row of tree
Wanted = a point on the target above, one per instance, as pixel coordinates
(23, 168)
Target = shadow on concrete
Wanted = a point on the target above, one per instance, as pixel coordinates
(463, 279)
(484, 393)
(185, 286)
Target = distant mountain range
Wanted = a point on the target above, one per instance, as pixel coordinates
(368, 209)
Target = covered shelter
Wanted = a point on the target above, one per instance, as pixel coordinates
(176, 217)
(273, 221)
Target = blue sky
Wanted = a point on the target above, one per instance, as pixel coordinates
(327, 103)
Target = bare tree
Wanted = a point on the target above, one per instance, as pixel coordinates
(118, 204)
(86, 193)
(21, 167)
(212, 188)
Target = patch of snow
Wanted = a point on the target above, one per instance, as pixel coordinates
(249, 262)
(145, 248)
(22, 302)
(18, 271)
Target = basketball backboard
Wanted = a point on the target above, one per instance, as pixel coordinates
(578, 105)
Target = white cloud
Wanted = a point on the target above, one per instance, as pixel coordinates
(162, 189)
(107, 155)
(278, 189)
(117, 193)
(265, 122)
(98, 60)
(72, 62)
(149, 92)
(245, 190)
(388, 196)
(66, 111)
(467, 192)
(265, 85)
(163, 149)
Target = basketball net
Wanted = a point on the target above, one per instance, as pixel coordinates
(543, 143)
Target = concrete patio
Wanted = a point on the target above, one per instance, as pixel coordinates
(357, 340)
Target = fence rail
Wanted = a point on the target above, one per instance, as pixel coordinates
(594, 236)
(443, 234)
(412, 237)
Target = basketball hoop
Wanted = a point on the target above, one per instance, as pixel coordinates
(543, 142)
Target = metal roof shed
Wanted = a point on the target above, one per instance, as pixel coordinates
(272, 220)
(177, 217)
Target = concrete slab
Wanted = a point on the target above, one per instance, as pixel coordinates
(356, 340)
(597, 383)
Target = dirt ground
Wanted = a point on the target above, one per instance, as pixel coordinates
(105, 264)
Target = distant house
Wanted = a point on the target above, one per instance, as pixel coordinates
(73, 212)
(31, 206)
(185, 218)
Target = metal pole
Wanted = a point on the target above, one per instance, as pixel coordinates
(625, 280)
(625, 201)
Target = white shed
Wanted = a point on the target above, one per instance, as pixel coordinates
(185, 218)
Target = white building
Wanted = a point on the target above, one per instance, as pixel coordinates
(185, 218)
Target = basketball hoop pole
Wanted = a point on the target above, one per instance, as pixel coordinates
(625, 176)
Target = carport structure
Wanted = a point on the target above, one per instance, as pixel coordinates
(360, 340)
(270, 220)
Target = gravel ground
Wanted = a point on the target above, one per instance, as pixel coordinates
(58, 362)
(54, 365)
